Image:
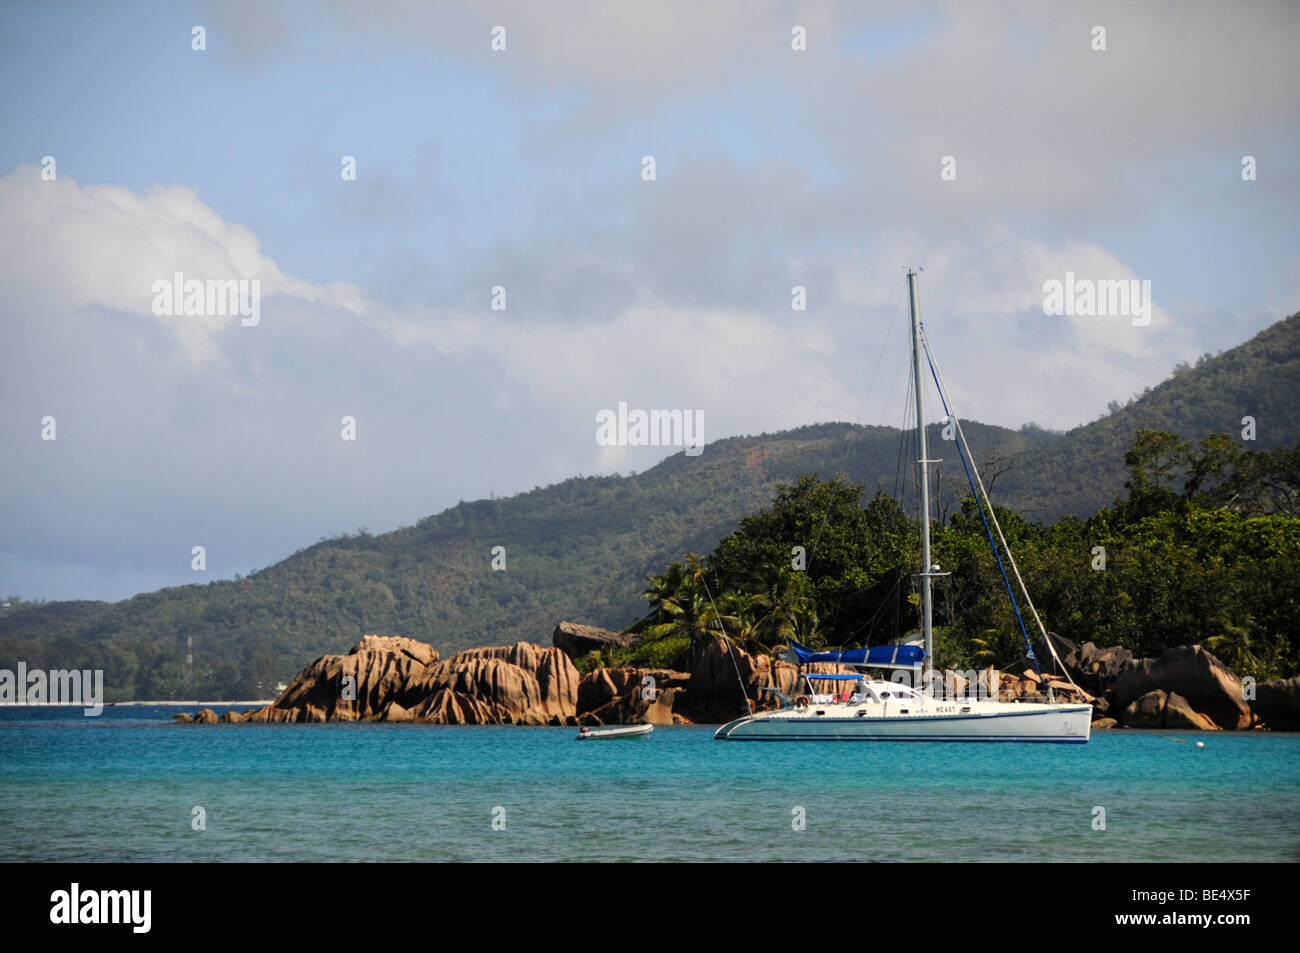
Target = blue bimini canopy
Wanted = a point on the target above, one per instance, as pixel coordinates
(834, 678)
(895, 655)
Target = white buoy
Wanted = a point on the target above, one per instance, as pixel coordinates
(1200, 744)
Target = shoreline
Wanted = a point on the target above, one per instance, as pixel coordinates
(174, 704)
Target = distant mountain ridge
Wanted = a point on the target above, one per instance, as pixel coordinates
(579, 549)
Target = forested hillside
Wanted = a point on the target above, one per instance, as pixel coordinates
(581, 549)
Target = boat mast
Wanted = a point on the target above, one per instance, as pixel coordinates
(926, 566)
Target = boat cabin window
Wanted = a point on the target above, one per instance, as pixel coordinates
(866, 692)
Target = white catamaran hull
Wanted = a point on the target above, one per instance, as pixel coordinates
(891, 711)
(1068, 724)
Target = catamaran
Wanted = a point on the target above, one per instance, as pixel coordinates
(886, 710)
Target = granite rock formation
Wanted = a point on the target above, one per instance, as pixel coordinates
(384, 679)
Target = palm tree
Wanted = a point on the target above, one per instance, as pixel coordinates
(744, 615)
(804, 624)
(984, 647)
(681, 605)
(662, 589)
(1234, 644)
(781, 595)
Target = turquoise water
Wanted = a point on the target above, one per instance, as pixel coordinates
(122, 787)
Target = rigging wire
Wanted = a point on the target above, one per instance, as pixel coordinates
(902, 433)
(963, 449)
(891, 598)
(730, 650)
(1029, 645)
(825, 516)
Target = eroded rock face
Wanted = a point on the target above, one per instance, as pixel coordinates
(1180, 714)
(1097, 669)
(1161, 709)
(1209, 694)
(576, 640)
(1147, 711)
(1188, 670)
(381, 669)
(714, 692)
(1277, 704)
(624, 696)
(446, 707)
(1030, 687)
(522, 684)
(271, 714)
(402, 680)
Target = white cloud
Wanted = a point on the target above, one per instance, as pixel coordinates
(172, 430)
(67, 247)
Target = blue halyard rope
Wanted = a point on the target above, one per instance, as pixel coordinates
(988, 532)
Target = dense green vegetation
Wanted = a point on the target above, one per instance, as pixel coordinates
(1082, 471)
(581, 549)
(1205, 547)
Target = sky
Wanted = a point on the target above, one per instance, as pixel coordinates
(995, 146)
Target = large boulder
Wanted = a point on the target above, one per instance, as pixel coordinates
(716, 694)
(535, 686)
(1012, 687)
(1161, 709)
(713, 693)
(1097, 670)
(394, 712)
(1277, 704)
(602, 686)
(1063, 691)
(1029, 686)
(1195, 674)
(1067, 651)
(400, 680)
(447, 707)
(576, 640)
(1147, 711)
(1094, 670)
(624, 696)
(377, 670)
(1180, 714)
(270, 714)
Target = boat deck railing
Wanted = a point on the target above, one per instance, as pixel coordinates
(962, 698)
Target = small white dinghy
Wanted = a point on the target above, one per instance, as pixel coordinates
(615, 731)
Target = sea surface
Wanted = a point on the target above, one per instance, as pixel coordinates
(124, 787)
